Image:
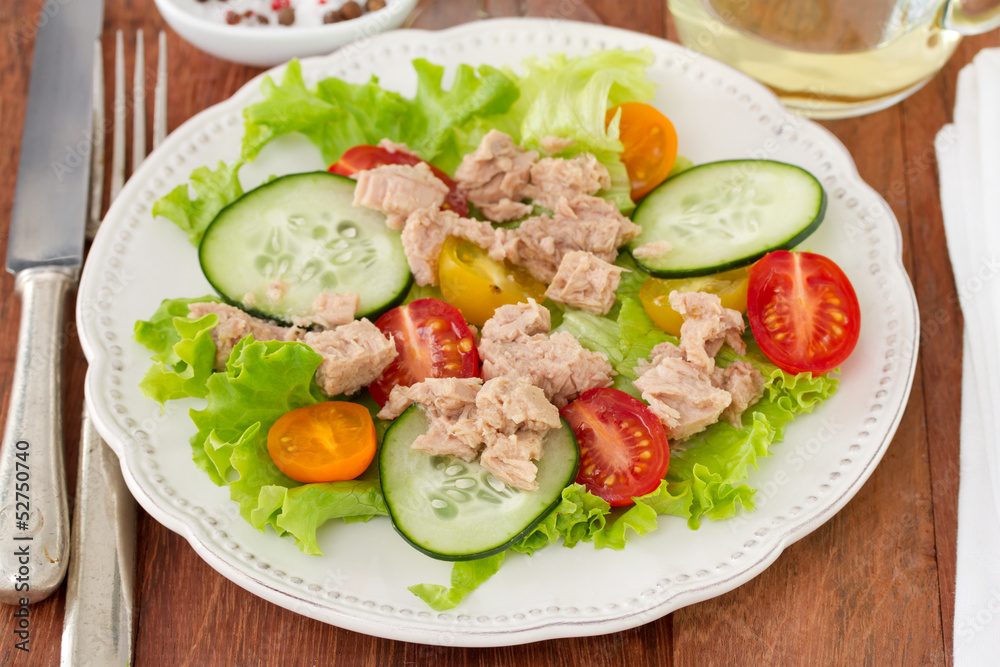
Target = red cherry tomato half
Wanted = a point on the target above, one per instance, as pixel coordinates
(623, 449)
(803, 311)
(364, 157)
(433, 341)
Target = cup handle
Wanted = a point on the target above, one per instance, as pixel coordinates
(955, 17)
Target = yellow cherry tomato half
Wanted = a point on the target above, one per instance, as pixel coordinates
(477, 284)
(326, 442)
(650, 145)
(729, 286)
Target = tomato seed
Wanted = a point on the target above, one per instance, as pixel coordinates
(465, 345)
(645, 456)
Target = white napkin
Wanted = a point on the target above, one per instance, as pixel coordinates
(969, 165)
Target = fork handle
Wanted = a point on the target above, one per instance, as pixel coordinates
(98, 623)
(34, 531)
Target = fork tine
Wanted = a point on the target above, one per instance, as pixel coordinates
(118, 140)
(97, 148)
(160, 94)
(139, 102)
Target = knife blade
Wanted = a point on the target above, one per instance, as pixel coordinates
(45, 252)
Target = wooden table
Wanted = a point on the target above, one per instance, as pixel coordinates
(875, 585)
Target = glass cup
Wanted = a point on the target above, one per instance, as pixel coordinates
(833, 58)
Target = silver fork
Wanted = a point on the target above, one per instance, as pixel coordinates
(98, 623)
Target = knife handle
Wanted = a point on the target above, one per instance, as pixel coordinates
(34, 530)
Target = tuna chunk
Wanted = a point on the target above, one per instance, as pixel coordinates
(398, 190)
(681, 396)
(586, 282)
(509, 405)
(508, 458)
(508, 416)
(556, 363)
(447, 397)
(494, 176)
(425, 233)
(330, 310)
(450, 407)
(354, 355)
(652, 250)
(707, 325)
(513, 323)
(587, 223)
(745, 385)
(235, 325)
(554, 145)
(513, 416)
(395, 147)
(594, 210)
(555, 178)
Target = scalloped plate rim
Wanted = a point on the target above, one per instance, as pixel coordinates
(370, 622)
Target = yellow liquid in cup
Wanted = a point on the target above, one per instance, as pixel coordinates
(824, 58)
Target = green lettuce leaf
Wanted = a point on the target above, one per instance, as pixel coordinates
(577, 517)
(262, 382)
(466, 576)
(439, 125)
(183, 351)
(438, 117)
(214, 190)
(569, 97)
(335, 115)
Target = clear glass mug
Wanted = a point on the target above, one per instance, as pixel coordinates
(833, 58)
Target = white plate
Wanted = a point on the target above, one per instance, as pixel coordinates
(361, 581)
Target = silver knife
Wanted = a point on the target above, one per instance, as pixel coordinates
(44, 252)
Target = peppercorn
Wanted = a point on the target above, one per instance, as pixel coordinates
(351, 10)
(232, 18)
(375, 5)
(286, 16)
(332, 16)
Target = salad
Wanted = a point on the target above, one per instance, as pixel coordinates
(264, 354)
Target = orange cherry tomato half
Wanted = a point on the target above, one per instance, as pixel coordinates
(326, 442)
(803, 311)
(364, 157)
(624, 450)
(650, 145)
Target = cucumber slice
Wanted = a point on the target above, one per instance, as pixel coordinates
(724, 215)
(275, 248)
(453, 510)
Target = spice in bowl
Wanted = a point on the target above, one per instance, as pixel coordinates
(289, 13)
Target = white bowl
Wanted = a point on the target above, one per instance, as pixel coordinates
(270, 45)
